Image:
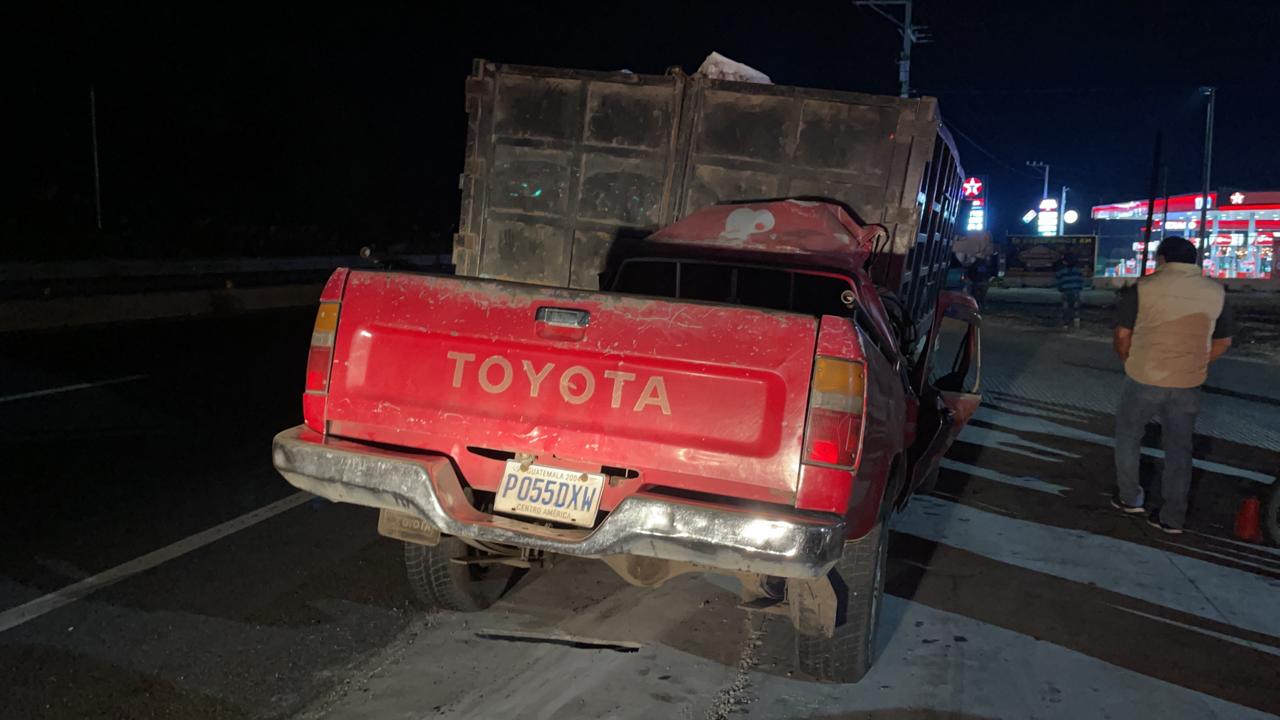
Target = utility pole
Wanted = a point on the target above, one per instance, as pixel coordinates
(1164, 193)
(1212, 92)
(97, 182)
(1042, 166)
(1151, 205)
(1062, 211)
(911, 34)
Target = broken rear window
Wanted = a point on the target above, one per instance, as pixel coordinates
(753, 286)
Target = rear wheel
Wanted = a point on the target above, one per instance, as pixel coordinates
(440, 582)
(859, 581)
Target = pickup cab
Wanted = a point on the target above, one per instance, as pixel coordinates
(736, 399)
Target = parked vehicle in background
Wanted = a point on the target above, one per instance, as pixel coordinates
(751, 389)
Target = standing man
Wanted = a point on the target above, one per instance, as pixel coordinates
(979, 275)
(1171, 325)
(1070, 284)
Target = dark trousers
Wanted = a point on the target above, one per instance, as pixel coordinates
(979, 292)
(1070, 306)
(1176, 408)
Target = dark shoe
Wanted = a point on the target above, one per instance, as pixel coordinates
(1123, 507)
(1155, 522)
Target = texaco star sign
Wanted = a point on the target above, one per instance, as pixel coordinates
(1237, 198)
(972, 187)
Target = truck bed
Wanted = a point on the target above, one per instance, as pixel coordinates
(562, 163)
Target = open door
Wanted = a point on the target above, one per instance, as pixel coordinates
(957, 366)
(949, 381)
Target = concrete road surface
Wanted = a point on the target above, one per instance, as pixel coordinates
(154, 566)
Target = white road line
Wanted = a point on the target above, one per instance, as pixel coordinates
(1262, 563)
(69, 388)
(1204, 631)
(1190, 585)
(997, 476)
(1010, 443)
(1253, 547)
(14, 617)
(1226, 360)
(1002, 441)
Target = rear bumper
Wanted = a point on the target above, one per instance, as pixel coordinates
(643, 524)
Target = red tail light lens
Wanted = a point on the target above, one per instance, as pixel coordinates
(319, 360)
(834, 424)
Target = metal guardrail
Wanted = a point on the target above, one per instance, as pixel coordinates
(45, 296)
(35, 272)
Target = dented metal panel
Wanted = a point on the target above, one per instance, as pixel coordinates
(801, 233)
(703, 397)
(561, 163)
(868, 152)
(558, 164)
(644, 524)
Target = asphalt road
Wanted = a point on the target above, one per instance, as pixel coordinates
(173, 438)
(155, 566)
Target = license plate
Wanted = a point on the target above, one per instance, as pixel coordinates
(403, 526)
(548, 493)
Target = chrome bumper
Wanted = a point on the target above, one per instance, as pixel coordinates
(643, 524)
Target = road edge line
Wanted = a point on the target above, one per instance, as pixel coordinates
(33, 609)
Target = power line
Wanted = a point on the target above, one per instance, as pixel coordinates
(964, 136)
(911, 34)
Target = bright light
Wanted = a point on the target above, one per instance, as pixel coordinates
(1047, 222)
(1070, 216)
(760, 530)
(1049, 204)
(1031, 215)
(977, 221)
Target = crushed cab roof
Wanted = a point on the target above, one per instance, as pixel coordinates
(793, 232)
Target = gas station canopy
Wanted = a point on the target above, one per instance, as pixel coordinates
(1241, 232)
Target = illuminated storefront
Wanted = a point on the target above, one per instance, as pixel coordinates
(1240, 242)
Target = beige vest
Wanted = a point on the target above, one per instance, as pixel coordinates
(1177, 310)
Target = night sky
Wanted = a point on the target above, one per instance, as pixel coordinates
(340, 128)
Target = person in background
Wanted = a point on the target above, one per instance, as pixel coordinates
(955, 274)
(1070, 283)
(978, 276)
(1170, 326)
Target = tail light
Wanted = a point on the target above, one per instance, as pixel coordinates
(320, 357)
(833, 427)
(319, 360)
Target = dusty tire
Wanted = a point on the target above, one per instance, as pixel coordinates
(847, 655)
(437, 582)
(1271, 514)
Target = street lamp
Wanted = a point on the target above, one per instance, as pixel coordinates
(1062, 216)
(1050, 217)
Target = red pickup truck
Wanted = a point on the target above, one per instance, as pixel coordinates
(737, 400)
